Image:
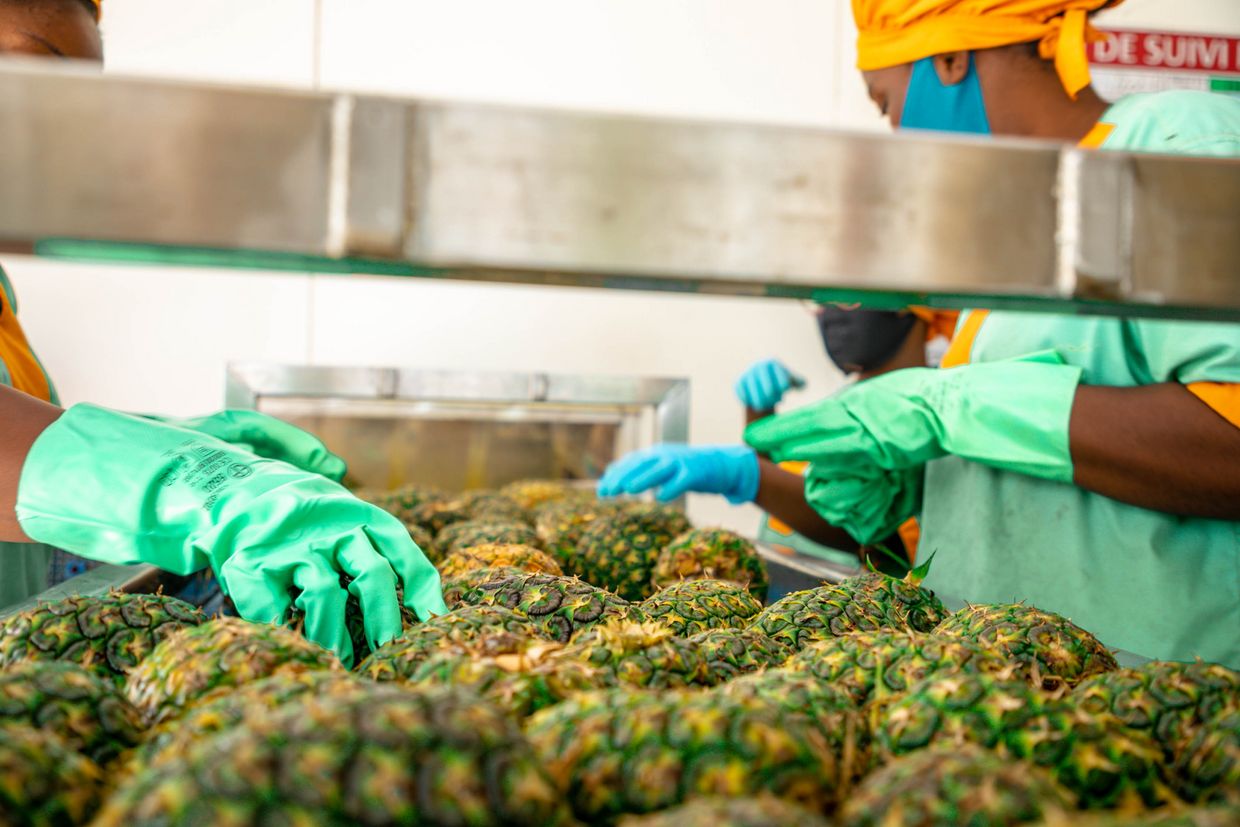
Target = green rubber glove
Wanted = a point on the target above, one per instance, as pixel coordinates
(1011, 415)
(266, 436)
(122, 489)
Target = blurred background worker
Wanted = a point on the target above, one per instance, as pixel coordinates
(1088, 465)
(862, 344)
(256, 499)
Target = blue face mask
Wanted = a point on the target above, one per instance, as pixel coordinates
(929, 104)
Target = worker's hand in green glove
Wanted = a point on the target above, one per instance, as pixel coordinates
(123, 489)
(266, 436)
(870, 505)
(1011, 415)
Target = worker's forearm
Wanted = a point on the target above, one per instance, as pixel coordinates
(24, 418)
(782, 495)
(1157, 447)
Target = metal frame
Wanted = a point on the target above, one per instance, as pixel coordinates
(312, 182)
(248, 383)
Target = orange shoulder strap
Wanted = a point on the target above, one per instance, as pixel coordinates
(25, 372)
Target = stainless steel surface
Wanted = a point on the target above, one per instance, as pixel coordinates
(163, 172)
(463, 430)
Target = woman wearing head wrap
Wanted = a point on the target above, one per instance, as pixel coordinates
(1087, 465)
(255, 499)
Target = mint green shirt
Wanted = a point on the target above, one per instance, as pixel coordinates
(1158, 585)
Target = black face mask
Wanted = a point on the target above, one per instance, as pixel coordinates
(862, 340)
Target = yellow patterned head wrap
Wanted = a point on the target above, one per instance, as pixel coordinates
(892, 32)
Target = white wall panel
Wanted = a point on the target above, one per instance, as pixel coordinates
(155, 339)
(270, 42)
(733, 59)
(709, 340)
(1207, 16)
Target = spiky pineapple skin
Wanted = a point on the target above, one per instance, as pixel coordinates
(389, 756)
(109, 634)
(947, 786)
(467, 626)
(560, 607)
(471, 533)
(730, 812)
(730, 653)
(830, 710)
(1208, 768)
(44, 781)
(560, 525)
(86, 710)
(520, 682)
(874, 665)
(912, 605)
(711, 554)
(805, 617)
(1045, 641)
(693, 606)
(424, 540)
(458, 591)
(493, 507)
(251, 701)
(404, 502)
(499, 555)
(201, 662)
(532, 494)
(1104, 764)
(622, 752)
(1172, 701)
(641, 655)
(618, 552)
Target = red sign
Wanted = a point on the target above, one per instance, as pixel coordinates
(1171, 51)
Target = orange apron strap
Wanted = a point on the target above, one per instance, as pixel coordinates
(25, 372)
(1097, 136)
(910, 535)
(961, 349)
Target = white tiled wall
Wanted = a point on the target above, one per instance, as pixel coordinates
(158, 340)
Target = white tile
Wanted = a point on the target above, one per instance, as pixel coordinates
(270, 42)
(734, 59)
(709, 340)
(155, 339)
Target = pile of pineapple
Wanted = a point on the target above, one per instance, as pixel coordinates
(605, 663)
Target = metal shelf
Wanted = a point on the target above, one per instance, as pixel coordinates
(109, 168)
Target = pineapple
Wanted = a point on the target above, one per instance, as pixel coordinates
(831, 711)
(200, 663)
(471, 533)
(494, 507)
(403, 502)
(733, 652)
(466, 585)
(1104, 764)
(519, 682)
(531, 494)
(761, 811)
(397, 659)
(496, 555)
(618, 553)
(561, 524)
(43, 781)
(559, 607)
(386, 756)
(1172, 701)
(423, 539)
(693, 606)
(87, 711)
(643, 655)
(246, 703)
(436, 515)
(711, 554)
(867, 603)
(874, 665)
(1049, 645)
(954, 785)
(109, 634)
(1208, 769)
(1174, 816)
(619, 752)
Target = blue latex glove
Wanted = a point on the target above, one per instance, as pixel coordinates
(763, 386)
(266, 436)
(730, 470)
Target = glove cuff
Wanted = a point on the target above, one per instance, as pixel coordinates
(747, 475)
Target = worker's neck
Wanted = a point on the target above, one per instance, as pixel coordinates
(1032, 103)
